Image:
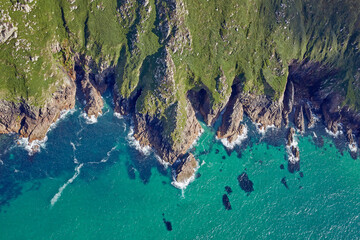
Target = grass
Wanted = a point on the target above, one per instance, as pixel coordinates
(256, 39)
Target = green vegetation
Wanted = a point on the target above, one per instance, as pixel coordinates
(207, 42)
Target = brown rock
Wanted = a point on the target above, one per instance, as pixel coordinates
(288, 101)
(262, 110)
(299, 118)
(94, 102)
(230, 127)
(290, 137)
(186, 168)
(34, 122)
(309, 115)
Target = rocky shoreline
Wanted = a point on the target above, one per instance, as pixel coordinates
(33, 123)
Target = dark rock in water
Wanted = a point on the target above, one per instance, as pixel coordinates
(283, 181)
(282, 166)
(220, 170)
(299, 118)
(168, 225)
(163, 182)
(301, 174)
(217, 151)
(131, 171)
(293, 166)
(245, 183)
(197, 175)
(300, 187)
(223, 157)
(260, 161)
(228, 189)
(226, 202)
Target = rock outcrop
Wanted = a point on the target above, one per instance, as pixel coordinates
(309, 115)
(231, 126)
(299, 118)
(186, 168)
(288, 101)
(94, 102)
(149, 131)
(34, 122)
(262, 110)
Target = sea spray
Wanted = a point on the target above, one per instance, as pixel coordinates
(146, 150)
(240, 138)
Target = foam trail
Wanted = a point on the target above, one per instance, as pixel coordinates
(237, 141)
(62, 188)
(146, 150)
(108, 154)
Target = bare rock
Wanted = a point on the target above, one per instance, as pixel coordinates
(309, 115)
(94, 102)
(34, 122)
(299, 118)
(290, 137)
(288, 101)
(262, 110)
(186, 168)
(230, 127)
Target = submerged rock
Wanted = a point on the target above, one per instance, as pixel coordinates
(228, 189)
(283, 181)
(245, 183)
(167, 225)
(226, 202)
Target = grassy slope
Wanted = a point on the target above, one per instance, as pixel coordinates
(254, 38)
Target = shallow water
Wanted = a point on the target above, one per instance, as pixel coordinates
(90, 183)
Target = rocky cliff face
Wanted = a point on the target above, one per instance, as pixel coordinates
(34, 122)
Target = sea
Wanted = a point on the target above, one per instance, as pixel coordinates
(91, 180)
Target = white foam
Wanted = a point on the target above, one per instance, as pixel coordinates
(314, 134)
(237, 141)
(146, 150)
(339, 132)
(63, 115)
(261, 129)
(108, 154)
(161, 161)
(353, 147)
(32, 147)
(118, 115)
(195, 143)
(89, 119)
(291, 156)
(62, 188)
(183, 185)
(73, 146)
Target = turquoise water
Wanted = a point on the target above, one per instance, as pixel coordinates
(118, 193)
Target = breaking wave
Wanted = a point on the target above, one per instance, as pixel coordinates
(237, 141)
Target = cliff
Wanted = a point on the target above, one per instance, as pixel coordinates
(167, 59)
